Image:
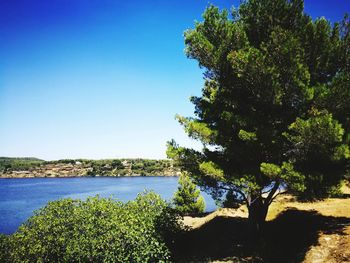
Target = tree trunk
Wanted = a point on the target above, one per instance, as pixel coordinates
(257, 214)
(258, 207)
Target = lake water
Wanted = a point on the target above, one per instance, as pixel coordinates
(20, 197)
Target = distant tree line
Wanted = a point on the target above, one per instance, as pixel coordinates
(12, 164)
(105, 167)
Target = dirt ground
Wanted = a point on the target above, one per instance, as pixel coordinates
(313, 232)
(331, 247)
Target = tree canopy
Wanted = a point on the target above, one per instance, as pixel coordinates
(274, 109)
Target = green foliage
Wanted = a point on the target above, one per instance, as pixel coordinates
(4, 249)
(246, 136)
(121, 167)
(104, 167)
(97, 230)
(317, 149)
(210, 168)
(230, 200)
(13, 164)
(64, 161)
(274, 109)
(187, 198)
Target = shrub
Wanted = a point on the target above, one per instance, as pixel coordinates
(4, 249)
(98, 230)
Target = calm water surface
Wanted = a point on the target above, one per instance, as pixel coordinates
(20, 197)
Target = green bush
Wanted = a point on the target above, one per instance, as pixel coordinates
(4, 249)
(97, 230)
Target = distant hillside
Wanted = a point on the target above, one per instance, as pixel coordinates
(18, 163)
(33, 167)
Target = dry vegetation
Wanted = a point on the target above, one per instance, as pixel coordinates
(308, 232)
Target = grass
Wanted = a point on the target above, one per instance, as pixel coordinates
(294, 232)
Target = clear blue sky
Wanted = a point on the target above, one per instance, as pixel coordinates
(101, 78)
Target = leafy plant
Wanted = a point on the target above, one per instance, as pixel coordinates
(98, 230)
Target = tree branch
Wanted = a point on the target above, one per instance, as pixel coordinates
(236, 189)
(272, 192)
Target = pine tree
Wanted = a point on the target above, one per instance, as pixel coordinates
(187, 198)
(274, 109)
